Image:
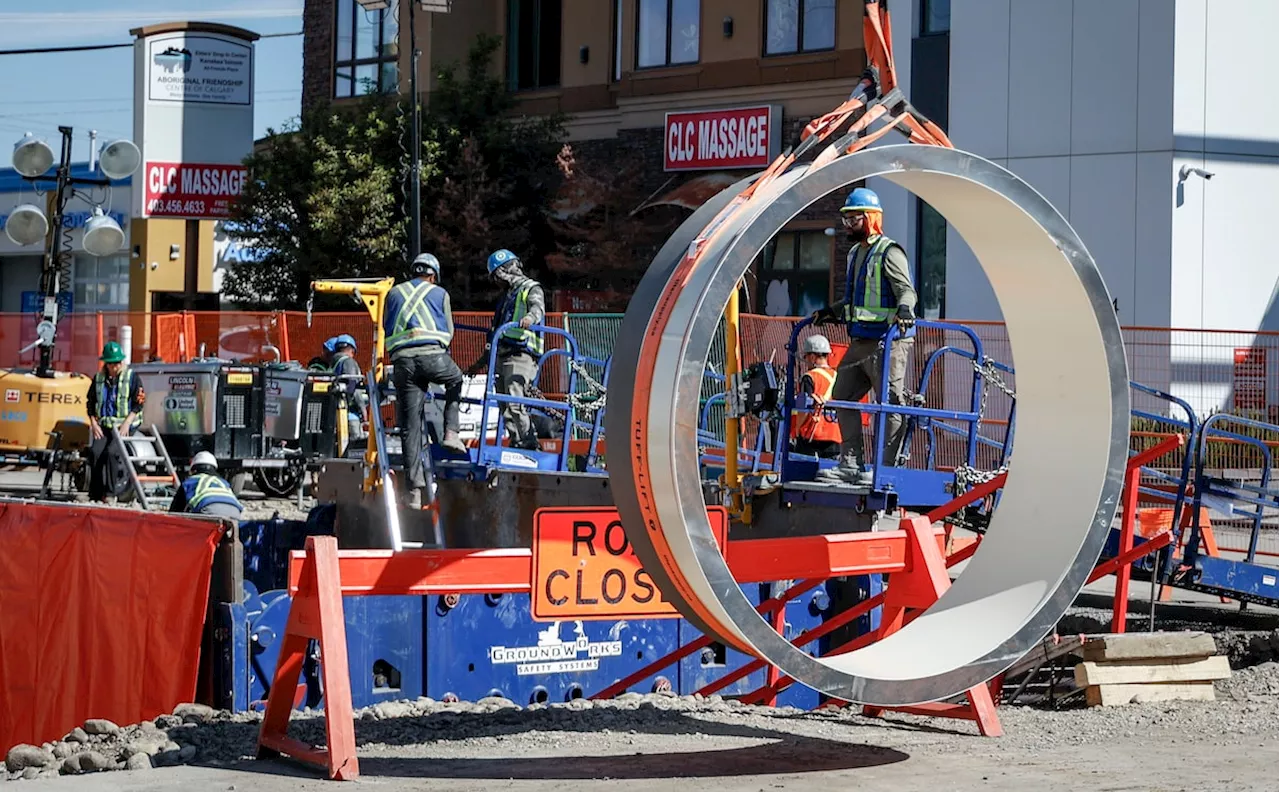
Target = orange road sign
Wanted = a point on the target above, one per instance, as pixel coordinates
(585, 569)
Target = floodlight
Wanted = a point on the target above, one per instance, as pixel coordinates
(27, 225)
(32, 156)
(102, 235)
(119, 159)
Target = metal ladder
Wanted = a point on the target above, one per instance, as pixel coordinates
(148, 465)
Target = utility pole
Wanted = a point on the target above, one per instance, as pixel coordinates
(415, 157)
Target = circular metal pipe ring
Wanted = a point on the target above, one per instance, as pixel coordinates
(1070, 447)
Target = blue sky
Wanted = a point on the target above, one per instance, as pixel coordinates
(94, 90)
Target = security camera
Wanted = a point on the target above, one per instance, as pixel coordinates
(1187, 170)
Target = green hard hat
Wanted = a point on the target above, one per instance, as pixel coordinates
(112, 353)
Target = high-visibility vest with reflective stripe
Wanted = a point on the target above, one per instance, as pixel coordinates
(869, 299)
(203, 490)
(820, 425)
(514, 308)
(121, 403)
(416, 316)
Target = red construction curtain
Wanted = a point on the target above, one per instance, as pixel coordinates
(101, 613)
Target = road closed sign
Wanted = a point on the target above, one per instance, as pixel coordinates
(585, 569)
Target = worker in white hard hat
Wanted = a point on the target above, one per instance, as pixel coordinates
(418, 323)
(205, 492)
(818, 432)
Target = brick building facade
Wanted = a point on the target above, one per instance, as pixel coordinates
(617, 68)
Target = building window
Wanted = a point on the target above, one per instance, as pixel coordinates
(667, 32)
(935, 17)
(533, 44)
(792, 26)
(100, 284)
(794, 274)
(931, 262)
(367, 52)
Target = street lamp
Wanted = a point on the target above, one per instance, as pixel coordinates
(415, 156)
(32, 158)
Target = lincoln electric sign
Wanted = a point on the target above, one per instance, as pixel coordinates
(740, 137)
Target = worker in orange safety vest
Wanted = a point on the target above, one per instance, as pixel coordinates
(818, 432)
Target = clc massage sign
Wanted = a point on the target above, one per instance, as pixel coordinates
(742, 137)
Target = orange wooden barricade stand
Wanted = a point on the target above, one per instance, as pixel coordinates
(316, 614)
(917, 589)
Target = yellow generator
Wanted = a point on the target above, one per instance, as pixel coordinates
(42, 415)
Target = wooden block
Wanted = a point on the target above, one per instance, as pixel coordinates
(1148, 645)
(1174, 669)
(1114, 695)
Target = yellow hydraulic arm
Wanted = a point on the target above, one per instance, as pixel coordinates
(372, 294)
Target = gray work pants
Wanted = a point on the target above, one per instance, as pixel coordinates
(516, 372)
(221, 510)
(859, 374)
(413, 375)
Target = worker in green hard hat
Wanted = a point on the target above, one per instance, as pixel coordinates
(114, 401)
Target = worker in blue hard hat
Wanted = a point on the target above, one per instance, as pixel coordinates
(878, 295)
(418, 322)
(519, 347)
(347, 368)
(324, 360)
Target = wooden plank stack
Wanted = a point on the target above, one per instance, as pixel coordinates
(1142, 667)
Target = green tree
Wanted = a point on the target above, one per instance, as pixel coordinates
(323, 200)
(496, 176)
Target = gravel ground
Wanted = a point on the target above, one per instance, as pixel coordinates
(647, 742)
(690, 744)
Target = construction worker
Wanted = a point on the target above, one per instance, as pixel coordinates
(519, 348)
(346, 366)
(418, 322)
(205, 492)
(818, 433)
(323, 361)
(878, 294)
(114, 401)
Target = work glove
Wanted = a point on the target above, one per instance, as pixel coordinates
(825, 316)
(906, 318)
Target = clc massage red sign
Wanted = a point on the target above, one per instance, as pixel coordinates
(740, 137)
(191, 190)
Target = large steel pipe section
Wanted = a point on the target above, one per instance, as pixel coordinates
(1069, 450)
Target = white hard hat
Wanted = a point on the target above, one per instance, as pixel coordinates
(817, 345)
(205, 458)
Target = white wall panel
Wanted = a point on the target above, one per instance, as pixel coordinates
(1103, 212)
(979, 107)
(1104, 85)
(1040, 78)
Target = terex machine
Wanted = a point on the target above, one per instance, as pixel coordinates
(43, 420)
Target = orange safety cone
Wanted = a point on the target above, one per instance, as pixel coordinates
(316, 614)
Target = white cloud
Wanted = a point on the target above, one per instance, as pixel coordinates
(20, 29)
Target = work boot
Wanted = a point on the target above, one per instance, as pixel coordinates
(452, 442)
(413, 498)
(848, 473)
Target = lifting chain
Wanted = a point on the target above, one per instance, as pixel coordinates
(965, 475)
(595, 399)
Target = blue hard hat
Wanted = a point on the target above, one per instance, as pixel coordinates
(500, 257)
(861, 200)
(331, 344)
(425, 263)
(344, 339)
